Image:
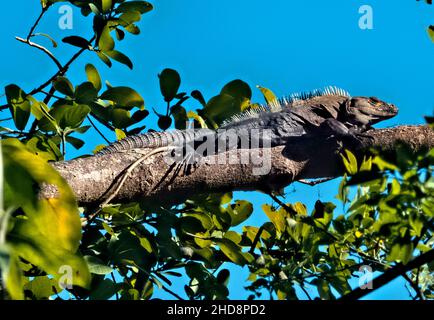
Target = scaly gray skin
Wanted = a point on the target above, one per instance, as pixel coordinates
(330, 112)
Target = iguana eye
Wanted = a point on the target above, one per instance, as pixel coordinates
(375, 102)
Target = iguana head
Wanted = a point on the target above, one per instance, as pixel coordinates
(368, 111)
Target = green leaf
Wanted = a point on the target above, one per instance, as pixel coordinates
(19, 105)
(93, 76)
(66, 116)
(63, 85)
(105, 290)
(75, 142)
(196, 94)
(430, 31)
(129, 17)
(50, 234)
(94, 9)
(275, 217)
(120, 35)
(44, 147)
(240, 212)
(221, 107)
(383, 164)
(133, 29)
(106, 5)
(104, 58)
(139, 115)
(350, 162)
(180, 115)
(123, 97)
(11, 273)
(77, 42)
(126, 248)
(120, 57)
(42, 287)
(232, 251)
(324, 290)
(120, 134)
(85, 93)
(141, 6)
(237, 89)
(164, 122)
(97, 266)
(121, 118)
(170, 81)
(269, 96)
(223, 277)
(402, 251)
(106, 42)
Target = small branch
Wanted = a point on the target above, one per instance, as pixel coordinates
(414, 285)
(390, 275)
(111, 128)
(282, 204)
(172, 293)
(59, 73)
(256, 240)
(97, 130)
(305, 292)
(48, 94)
(62, 71)
(33, 28)
(43, 49)
(114, 280)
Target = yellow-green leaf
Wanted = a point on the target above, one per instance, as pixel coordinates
(269, 96)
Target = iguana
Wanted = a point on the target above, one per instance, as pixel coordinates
(328, 112)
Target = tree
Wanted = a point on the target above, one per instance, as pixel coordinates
(141, 242)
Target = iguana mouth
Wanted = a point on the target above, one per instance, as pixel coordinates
(383, 110)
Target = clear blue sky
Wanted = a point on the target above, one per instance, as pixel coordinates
(287, 46)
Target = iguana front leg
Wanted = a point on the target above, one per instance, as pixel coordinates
(334, 128)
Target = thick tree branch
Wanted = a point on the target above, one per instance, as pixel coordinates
(94, 178)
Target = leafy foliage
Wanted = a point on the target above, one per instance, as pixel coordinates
(130, 251)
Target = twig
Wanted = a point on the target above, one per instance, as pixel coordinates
(282, 204)
(414, 286)
(315, 182)
(305, 292)
(97, 130)
(48, 94)
(172, 293)
(61, 72)
(114, 280)
(32, 29)
(102, 122)
(256, 240)
(43, 49)
(391, 274)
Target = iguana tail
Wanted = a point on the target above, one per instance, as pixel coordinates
(155, 139)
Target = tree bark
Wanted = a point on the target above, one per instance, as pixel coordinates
(94, 178)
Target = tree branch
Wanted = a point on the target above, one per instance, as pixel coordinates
(391, 274)
(94, 178)
(43, 49)
(61, 72)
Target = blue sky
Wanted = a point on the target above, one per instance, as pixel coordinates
(287, 46)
